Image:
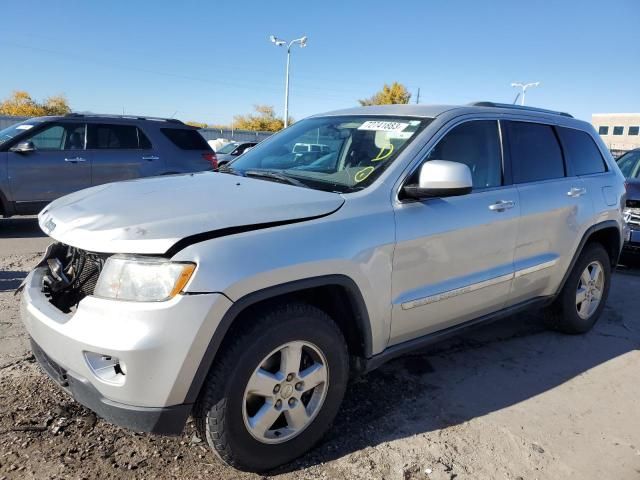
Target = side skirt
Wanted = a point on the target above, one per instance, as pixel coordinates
(409, 346)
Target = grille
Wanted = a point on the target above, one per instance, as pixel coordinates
(73, 274)
(90, 265)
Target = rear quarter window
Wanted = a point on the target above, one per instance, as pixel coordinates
(582, 153)
(186, 139)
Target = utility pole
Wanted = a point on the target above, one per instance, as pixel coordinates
(418, 96)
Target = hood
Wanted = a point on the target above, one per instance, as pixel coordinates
(151, 215)
(633, 188)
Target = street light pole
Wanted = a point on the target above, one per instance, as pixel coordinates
(302, 41)
(286, 89)
(524, 87)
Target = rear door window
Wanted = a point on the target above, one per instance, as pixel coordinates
(186, 139)
(535, 152)
(582, 153)
(116, 137)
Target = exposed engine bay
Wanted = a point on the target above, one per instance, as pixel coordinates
(71, 275)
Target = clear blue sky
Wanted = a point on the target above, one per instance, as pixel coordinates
(210, 60)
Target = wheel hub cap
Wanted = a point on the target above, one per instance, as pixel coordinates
(285, 392)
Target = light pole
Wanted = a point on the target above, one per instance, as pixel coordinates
(524, 87)
(302, 41)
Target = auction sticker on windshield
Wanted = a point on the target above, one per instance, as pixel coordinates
(380, 126)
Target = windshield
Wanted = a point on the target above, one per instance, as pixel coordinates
(228, 148)
(342, 154)
(14, 130)
(629, 164)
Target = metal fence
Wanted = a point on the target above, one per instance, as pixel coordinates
(207, 133)
(7, 121)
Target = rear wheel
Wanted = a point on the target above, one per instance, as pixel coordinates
(585, 292)
(275, 389)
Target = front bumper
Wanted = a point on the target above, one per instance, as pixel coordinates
(632, 242)
(161, 420)
(159, 344)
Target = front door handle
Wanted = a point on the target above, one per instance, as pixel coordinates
(150, 158)
(502, 205)
(576, 192)
(75, 159)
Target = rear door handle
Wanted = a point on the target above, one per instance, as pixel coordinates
(75, 159)
(502, 205)
(576, 191)
(150, 158)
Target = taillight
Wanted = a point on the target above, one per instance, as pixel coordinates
(211, 158)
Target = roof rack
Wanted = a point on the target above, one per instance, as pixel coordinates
(519, 107)
(130, 117)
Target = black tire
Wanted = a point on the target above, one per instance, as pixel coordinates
(219, 410)
(562, 315)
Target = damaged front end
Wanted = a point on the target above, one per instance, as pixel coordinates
(71, 275)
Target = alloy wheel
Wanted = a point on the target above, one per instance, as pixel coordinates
(286, 392)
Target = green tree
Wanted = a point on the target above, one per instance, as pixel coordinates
(389, 95)
(264, 120)
(21, 104)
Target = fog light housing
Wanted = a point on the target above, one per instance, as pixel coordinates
(106, 368)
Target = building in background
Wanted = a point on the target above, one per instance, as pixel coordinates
(620, 131)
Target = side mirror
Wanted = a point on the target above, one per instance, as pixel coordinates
(24, 147)
(441, 178)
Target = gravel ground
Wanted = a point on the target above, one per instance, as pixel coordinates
(508, 401)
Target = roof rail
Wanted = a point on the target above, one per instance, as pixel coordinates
(519, 107)
(130, 117)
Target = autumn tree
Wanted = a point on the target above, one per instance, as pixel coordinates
(389, 95)
(196, 124)
(21, 104)
(264, 120)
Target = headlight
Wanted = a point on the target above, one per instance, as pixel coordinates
(142, 279)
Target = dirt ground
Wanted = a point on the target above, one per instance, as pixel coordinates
(507, 401)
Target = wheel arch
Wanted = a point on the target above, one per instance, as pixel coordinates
(337, 295)
(606, 233)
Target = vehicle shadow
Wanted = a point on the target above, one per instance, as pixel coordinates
(20, 227)
(486, 370)
(10, 280)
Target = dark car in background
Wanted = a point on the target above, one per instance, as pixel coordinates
(232, 150)
(44, 158)
(629, 164)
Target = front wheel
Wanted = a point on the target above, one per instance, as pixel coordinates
(585, 292)
(275, 389)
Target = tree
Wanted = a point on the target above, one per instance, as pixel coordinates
(21, 104)
(196, 124)
(264, 120)
(389, 95)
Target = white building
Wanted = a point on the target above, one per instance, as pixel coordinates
(620, 131)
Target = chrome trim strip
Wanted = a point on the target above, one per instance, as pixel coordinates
(419, 302)
(535, 268)
(456, 291)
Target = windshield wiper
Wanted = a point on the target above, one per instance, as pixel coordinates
(228, 169)
(278, 177)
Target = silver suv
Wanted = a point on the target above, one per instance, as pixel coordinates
(45, 158)
(414, 223)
